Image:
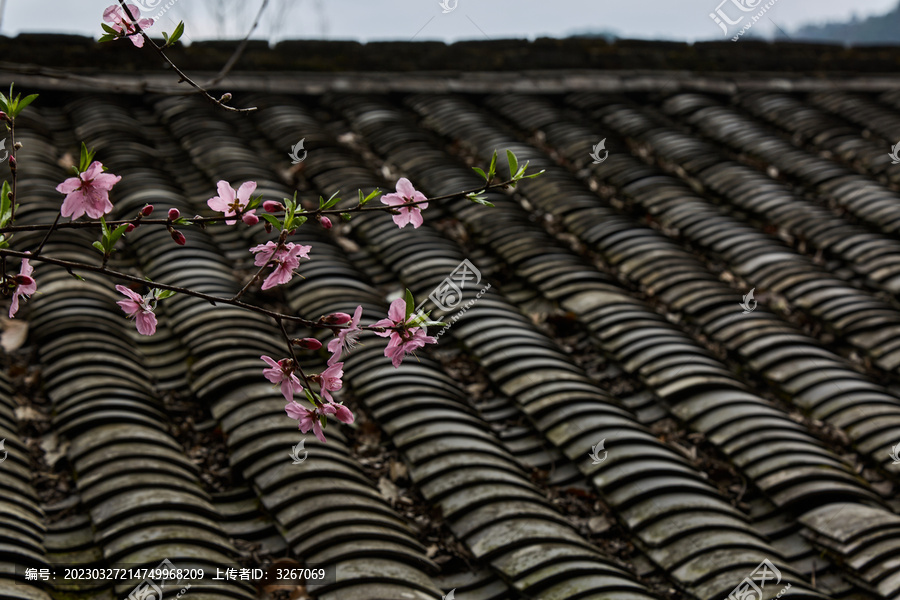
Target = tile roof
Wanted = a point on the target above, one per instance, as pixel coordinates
(612, 314)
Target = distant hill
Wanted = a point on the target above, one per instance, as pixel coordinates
(879, 29)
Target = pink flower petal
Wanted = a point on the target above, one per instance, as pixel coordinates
(397, 311)
(405, 188)
(245, 191)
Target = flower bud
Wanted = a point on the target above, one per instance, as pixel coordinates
(174, 213)
(12, 163)
(268, 227)
(337, 319)
(4, 117)
(225, 97)
(324, 222)
(178, 237)
(147, 210)
(250, 219)
(17, 145)
(272, 206)
(130, 228)
(308, 343)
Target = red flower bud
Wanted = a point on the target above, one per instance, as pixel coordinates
(147, 210)
(178, 237)
(130, 228)
(272, 206)
(337, 319)
(12, 163)
(4, 116)
(250, 219)
(308, 343)
(268, 227)
(324, 222)
(174, 213)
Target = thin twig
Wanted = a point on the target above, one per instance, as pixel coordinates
(294, 362)
(205, 220)
(72, 266)
(181, 74)
(47, 237)
(239, 51)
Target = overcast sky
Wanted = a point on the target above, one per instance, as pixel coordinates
(366, 20)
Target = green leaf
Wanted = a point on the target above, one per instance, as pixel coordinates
(86, 158)
(99, 247)
(480, 200)
(331, 202)
(298, 221)
(176, 35)
(108, 29)
(480, 172)
(513, 163)
(104, 227)
(254, 202)
(27, 100)
(106, 37)
(372, 195)
(346, 216)
(271, 219)
(541, 172)
(410, 303)
(5, 205)
(77, 276)
(311, 396)
(162, 294)
(115, 235)
(492, 171)
(182, 221)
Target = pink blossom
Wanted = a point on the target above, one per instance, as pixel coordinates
(337, 319)
(406, 342)
(308, 418)
(120, 21)
(230, 201)
(138, 308)
(88, 193)
(346, 338)
(25, 286)
(286, 258)
(272, 206)
(330, 380)
(282, 372)
(250, 217)
(408, 214)
(406, 339)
